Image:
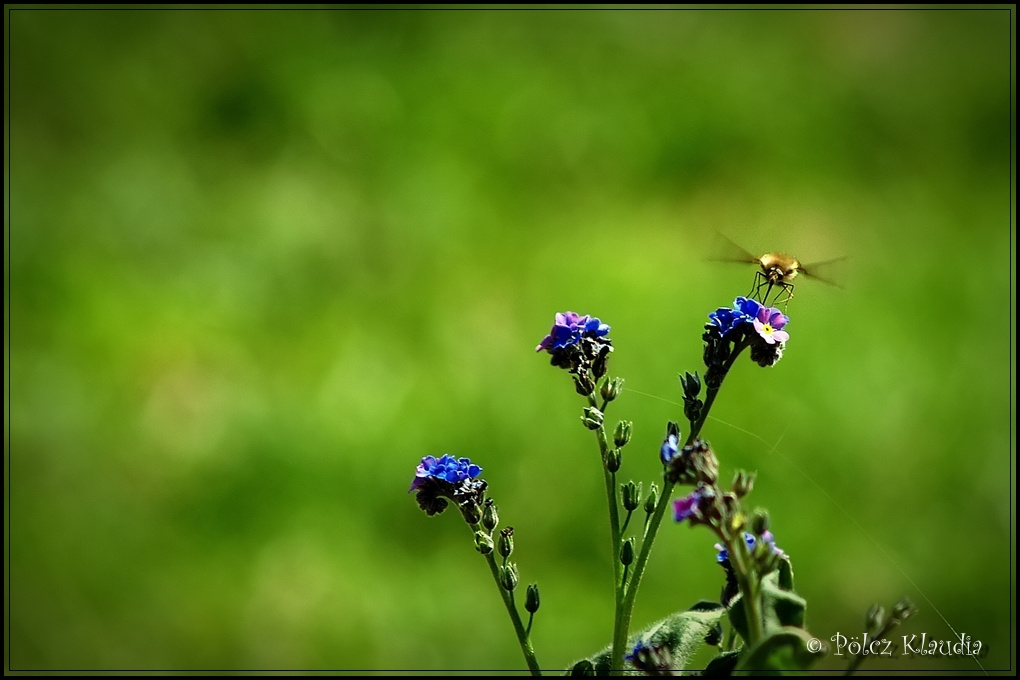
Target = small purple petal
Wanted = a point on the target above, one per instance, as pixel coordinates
(684, 507)
(778, 319)
(568, 330)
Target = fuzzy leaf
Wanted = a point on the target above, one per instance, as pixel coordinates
(722, 665)
(786, 649)
(785, 574)
(682, 634)
(780, 605)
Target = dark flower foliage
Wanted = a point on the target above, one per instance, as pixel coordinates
(445, 479)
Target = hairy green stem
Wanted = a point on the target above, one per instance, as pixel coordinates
(614, 538)
(625, 612)
(750, 587)
(511, 608)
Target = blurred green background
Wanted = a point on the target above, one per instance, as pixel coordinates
(261, 262)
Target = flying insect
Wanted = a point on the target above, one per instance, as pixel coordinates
(777, 271)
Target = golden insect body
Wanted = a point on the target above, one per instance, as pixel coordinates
(778, 270)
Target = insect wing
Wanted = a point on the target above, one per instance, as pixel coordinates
(725, 250)
(828, 271)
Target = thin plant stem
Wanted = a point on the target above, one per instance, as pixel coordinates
(511, 608)
(614, 534)
(630, 591)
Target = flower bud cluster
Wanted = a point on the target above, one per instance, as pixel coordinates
(691, 385)
(695, 463)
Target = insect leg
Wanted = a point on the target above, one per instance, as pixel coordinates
(788, 289)
(760, 281)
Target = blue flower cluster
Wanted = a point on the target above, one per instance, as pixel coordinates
(447, 468)
(744, 310)
(568, 330)
(768, 322)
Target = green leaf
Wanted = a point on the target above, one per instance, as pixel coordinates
(738, 617)
(785, 649)
(723, 664)
(780, 605)
(785, 574)
(682, 634)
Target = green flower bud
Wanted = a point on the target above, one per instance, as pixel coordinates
(610, 389)
(631, 493)
(483, 542)
(652, 500)
(672, 429)
(508, 576)
(583, 384)
(622, 433)
(735, 519)
(592, 418)
(531, 599)
(743, 482)
(760, 522)
(692, 409)
(874, 619)
(627, 552)
(506, 541)
(490, 518)
(903, 610)
(613, 460)
(691, 384)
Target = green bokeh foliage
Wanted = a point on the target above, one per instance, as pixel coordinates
(261, 262)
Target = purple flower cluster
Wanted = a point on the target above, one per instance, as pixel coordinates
(568, 330)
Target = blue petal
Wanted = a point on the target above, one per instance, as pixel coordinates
(747, 306)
